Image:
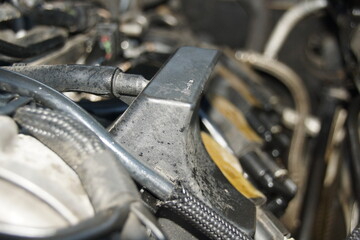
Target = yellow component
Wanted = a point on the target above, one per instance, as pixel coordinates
(237, 84)
(233, 114)
(230, 167)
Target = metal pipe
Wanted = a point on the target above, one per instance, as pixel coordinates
(147, 177)
(287, 22)
(155, 183)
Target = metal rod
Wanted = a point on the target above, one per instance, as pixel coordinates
(147, 177)
(287, 22)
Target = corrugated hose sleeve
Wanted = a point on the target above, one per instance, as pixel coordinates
(203, 217)
(355, 234)
(106, 182)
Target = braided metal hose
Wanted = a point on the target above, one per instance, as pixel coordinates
(105, 181)
(53, 127)
(49, 124)
(46, 96)
(355, 234)
(203, 218)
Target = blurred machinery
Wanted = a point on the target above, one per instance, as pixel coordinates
(169, 119)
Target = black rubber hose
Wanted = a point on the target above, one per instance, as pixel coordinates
(32, 50)
(355, 234)
(105, 181)
(107, 184)
(81, 17)
(354, 143)
(202, 217)
(147, 177)
(199, 214)
(90, 79)
(100, 80)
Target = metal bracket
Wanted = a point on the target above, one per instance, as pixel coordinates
(161, 127)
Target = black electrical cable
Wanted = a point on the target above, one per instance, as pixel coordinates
(32, 50)
(155, 183)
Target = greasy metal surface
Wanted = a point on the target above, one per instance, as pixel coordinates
(161, 128)
(128, 84)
